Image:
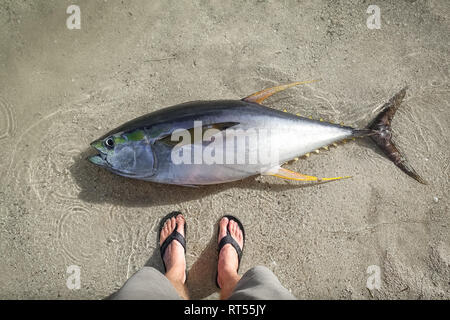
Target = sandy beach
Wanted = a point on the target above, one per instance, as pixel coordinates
(62, 88)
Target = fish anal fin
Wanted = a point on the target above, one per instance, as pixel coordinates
(262, 95)
(292, 175)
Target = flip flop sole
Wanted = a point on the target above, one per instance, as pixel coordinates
(171, 215)
(231, 218)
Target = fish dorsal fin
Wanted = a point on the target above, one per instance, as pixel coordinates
(221, 126)
(262, 95)
(292, 175)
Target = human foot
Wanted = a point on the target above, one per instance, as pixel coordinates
(173, 257)
(228, 263)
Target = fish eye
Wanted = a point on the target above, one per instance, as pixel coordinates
(109, 143)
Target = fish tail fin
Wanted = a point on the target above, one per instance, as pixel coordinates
(380, 132)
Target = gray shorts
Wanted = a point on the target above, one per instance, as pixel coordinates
(258, 283)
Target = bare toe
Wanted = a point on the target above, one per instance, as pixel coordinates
(223, 228)
(180, 223)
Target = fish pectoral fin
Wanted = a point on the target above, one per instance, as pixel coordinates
(292, 175)
(260, 96)
(205, 133)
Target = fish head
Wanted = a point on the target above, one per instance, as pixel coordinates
(127, 154)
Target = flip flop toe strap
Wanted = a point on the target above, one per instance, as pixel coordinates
(175, 235)
(229, 239)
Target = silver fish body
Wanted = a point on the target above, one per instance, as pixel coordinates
(284, 134)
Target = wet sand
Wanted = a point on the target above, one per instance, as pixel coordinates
(60, 89)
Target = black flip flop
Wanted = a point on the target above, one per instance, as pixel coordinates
(175, 235)
(229, 239)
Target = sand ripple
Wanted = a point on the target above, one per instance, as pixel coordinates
(7, 120)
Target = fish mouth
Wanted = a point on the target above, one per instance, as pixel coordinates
(99, 159)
